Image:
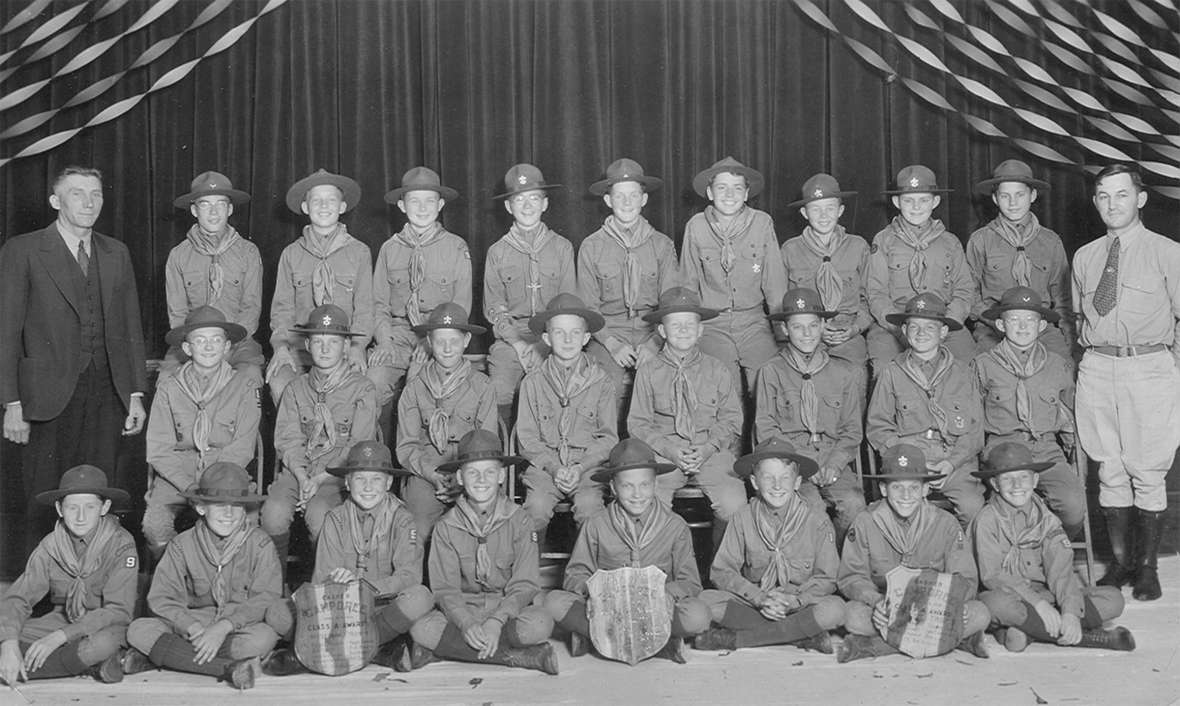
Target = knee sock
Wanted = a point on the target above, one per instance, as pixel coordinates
(391, 622)
(575, 619)
(62, 662)
(1091, 619)
(797, 626)
(282, 544)
(452, 646)
(1033, 626)
(739, 616)
(175, 652)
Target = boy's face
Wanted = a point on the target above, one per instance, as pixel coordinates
(1015, 487)
(1118, 201)
(626, 200)
(207, 346)
(1021, 328)
(78, 200)
(566, 335)
(527, 207)
(728, 192)
(916, 207)
(823, 215)
(1014, 199)
(212, 212)
(481, 480)
(776, 480)
(804, 332)
(447, 346)
(324, 204)
(222, 518)
(905, 496)
(421, 207)
(327, 349)
(368, 488)
(81, 512)
(924, 335)
(634, 489)
(681, 330)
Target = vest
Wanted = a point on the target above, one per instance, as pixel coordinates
(92, 347)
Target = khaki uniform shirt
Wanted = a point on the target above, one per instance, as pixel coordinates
(851, 260)
(888, 285)
(395, 554)
(601, 264)
(1050, 393)
(186, 283)
(447, 279)
(293, 297)
(473, 407)
(717, 418)
(354, 411)
(778, 395)
(593, 431)
(757, 278)
(506, 280)
(990, 258)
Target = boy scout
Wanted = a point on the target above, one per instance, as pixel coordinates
(212, 589)
(915, 254)
(903, 529)
(775, 570)
(730, 260)
(637, 531)
(622, 268)
(687, 407)
(448, 399)
(1015, 250)
(1026, 564)
(1027, 393)
(88, 568)
(206, 412)
(525, 268)
(814, 402)
(484, 571)
(419, 267)
(928, 398)
(566, 421)
(322, 414)
(217, 267)
(324, 266)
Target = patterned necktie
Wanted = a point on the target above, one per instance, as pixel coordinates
(1108, 285)
(83, 259)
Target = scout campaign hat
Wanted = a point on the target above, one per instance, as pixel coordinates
(801, 301)
(566, 304)
(421, 179)
(1022, 299)
(447, 315)
(211, 184)
(820, 186)
(479, 445)
(224, 482)
(622, 170)
(917, 179)
(328, 318)
(368, 456)
(774, 448)
(83, 479)
(678, 299)
(704, 178)
(628, 454)
(298, 191)
(926, 305)
(205, 317)
(1009, 456)
(904, 462)
(1011, 170)
(523, 177)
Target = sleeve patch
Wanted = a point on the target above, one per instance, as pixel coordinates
(533, 536)
(130, 562)
(873, 248)
(851, 536)
(413, 535)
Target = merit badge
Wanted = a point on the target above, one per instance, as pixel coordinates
(130, 562)
(533, 536)
(757, 267)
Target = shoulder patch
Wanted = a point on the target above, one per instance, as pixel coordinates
(130, 562)
(533, 536)
(960, 539)
(258, 396)
(873, 248)
(1065, 542)
(851, 536)
(413, 535)
(466, 254)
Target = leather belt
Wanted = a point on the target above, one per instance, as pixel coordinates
(1129, 351)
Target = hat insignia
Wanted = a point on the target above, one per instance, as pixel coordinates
(1026, 299)
(757, 267)
(327, 320)
(625, 176)
(819, 193)
(914, 181)
(799, 303)
(921, 304)
(522, 179)
(367, 452)
(447, 319)
(903, 461)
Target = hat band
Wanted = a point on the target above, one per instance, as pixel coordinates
(224, 492)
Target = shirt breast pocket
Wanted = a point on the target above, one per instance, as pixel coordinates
(610, 280)
(512, 277)
(344, 424)
(346, 283)
(223, 432)
(301, 282)
(899, 273)
(1144, 296)
(437, 289)
(202, 589)
(196, 284)
(830, 409)
(958, 422)
(462, 421)
(1046, 411)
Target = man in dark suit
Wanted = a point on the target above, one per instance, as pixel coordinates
(71, 345)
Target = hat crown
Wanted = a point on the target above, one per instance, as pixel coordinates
(83, 476)
(328, 316)
(369, 454)
(1013, 169)
(522, 177)
(802, 300)
(1016, 297)
(565, 302)
(679, 297)
(210, 181)
(621, 169)
(926, 304)
(421, 177)
(1009, 455)
(224, 479)
(631, 452)
(479, 443)
(916, 177)
(820, 186)
(448, 314)
(205, 315)
(903, 459)
(776, 446)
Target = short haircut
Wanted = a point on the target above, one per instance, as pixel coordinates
(70, 171)
(1120, 168)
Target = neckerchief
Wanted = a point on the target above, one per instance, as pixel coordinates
(79, 568)
(684, 396)
(568, 383)
(911, 365)
(221, 558)
(441, 385)
(213, 245)
(189, 383)
(322, 277)
(905, 537)
(776, 535)
(379, 522)
(519, 241)
(918, 238)
(1022, 532)
(653, 521)
(1019, 235)
(727, 235)
(470, 521)
(828, 281)
(630, 239)
(323, 438)
(1006, 355)
(808, 399)
(409, 238)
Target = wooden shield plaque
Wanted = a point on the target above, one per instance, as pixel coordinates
(925, 610)
(630, 613)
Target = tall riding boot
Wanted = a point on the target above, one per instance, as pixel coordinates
(1118, 528)
(1147, 580)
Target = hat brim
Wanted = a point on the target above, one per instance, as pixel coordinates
(986, 186)
(425, 328)
(341, 471)
(898, 192)
(594, 320)
(234, 332)
(985, 473)
(1047, 314)
(452, 466)
(527, 187)
(655, 317)
(649, 183)
(604, 474)
(236, 197)
(445, 192)
(927, 477)
(248, 499)
(703, 179)
(298, 191)
(835, 195)
(744, 467)
(784, 315)
(115, 495)
(899, 318)
(311, 330)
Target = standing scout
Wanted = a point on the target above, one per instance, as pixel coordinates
(915, 254)
(1126, 288)
(1026, 564)
(813, 401)
(730, 260)
(1015, 250)
(448, 399)
(775, 570)
(927, 398)
(566, 421)
(1027, 393)
(902, 529)
(525, 268)
(324, 266)
(217, 267)
(622, 268)
(212, 589)
(88, 568)
(635, 530)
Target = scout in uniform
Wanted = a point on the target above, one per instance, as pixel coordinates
(206, 412)
(902, 529)
(566, 421)
(928, 398)
(484, 571)
(1028, 393)
(730, 260)
(525, 268)
(775, 570)
(448, 399)
(88, 568)
(1126, 288)
(212, 589)
(322, 414)
(916, 254)
(1015, 250)
(1026, 564)
(324, 266)
(622, 268)
(813, 400)
(635, 530)
(215, 266)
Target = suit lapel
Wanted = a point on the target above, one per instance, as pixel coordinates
(61, 266)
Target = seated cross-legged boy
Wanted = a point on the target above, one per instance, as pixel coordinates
(928, 398)
(903, 529)
(635, 530)
(212, 589)
(484, 571)
(1026, 564)
(88, 567)
(775, 570)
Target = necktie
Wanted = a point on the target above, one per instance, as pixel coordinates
(83, 258)
(1108, 285)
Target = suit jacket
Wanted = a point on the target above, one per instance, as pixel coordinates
(40, 327)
